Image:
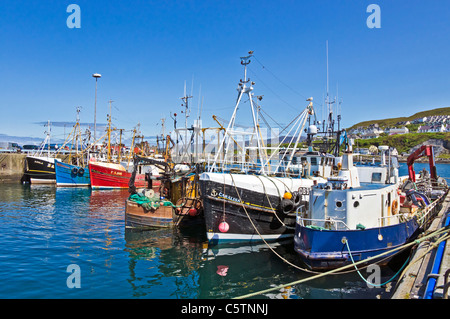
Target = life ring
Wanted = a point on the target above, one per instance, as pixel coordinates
(81, 171)
(74, 171)
(394, 207)
(286, 206)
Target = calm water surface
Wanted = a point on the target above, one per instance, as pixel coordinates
(44, 229)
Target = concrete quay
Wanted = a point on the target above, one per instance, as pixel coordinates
(428, 274)
(12, 166)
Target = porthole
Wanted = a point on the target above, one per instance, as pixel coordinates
(356, 204)
(338, 204)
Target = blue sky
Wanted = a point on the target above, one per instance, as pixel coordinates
(147, 50)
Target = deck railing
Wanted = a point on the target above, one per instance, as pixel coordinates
(326, 222)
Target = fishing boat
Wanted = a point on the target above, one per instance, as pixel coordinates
(259, 202)
(350, 219)
(40, 170)
(111, 173)
(174, 204)
(245, 208)
(75, 173)
(71, 175)
(148, 211)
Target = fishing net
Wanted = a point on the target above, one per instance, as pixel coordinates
(150, 203)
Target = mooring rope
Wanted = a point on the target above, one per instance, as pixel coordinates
(362, 277)
(267, 196)
(333, 271)
(262, 238)
(278, 255)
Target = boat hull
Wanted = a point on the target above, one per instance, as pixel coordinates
(137, 216)
(104, 176)
(68, 175)
(326, 249)
(248, 214)
(40, 170)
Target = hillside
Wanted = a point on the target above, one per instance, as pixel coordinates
(404, 142)
(394, 121)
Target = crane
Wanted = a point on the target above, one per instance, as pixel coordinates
(424, 150)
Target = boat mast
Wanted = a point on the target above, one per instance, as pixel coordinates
(49, 129)
(78, 133)
(187, 112)
(163, 133)
(131, 154)
(245, 87)
(120, 143)
(109, 131)
(329, 103)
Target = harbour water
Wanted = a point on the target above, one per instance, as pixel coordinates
(45, 229)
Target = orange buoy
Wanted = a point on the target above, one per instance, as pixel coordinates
(287, 195)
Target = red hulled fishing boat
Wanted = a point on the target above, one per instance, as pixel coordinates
(113, 175)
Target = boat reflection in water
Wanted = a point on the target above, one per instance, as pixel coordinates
(237, 270)
(164, 263)
(107, 201)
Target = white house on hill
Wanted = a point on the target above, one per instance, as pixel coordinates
(402, 130)
(432, 128)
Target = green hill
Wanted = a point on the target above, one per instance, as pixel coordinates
(394, 121)
(404, 142)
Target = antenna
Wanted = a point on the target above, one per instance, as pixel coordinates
(198, 105)
(245, 61)
(48, 132)
(327, 68)
(109, 130)
(78, 113)
(187, 112)
(201, 107)
(328, 102)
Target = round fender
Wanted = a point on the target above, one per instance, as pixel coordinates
(296, 198)
(81, 171)
(286, 206)
(74, 171)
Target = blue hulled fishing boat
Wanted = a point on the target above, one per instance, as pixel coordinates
(71, 175)
(365, 212)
